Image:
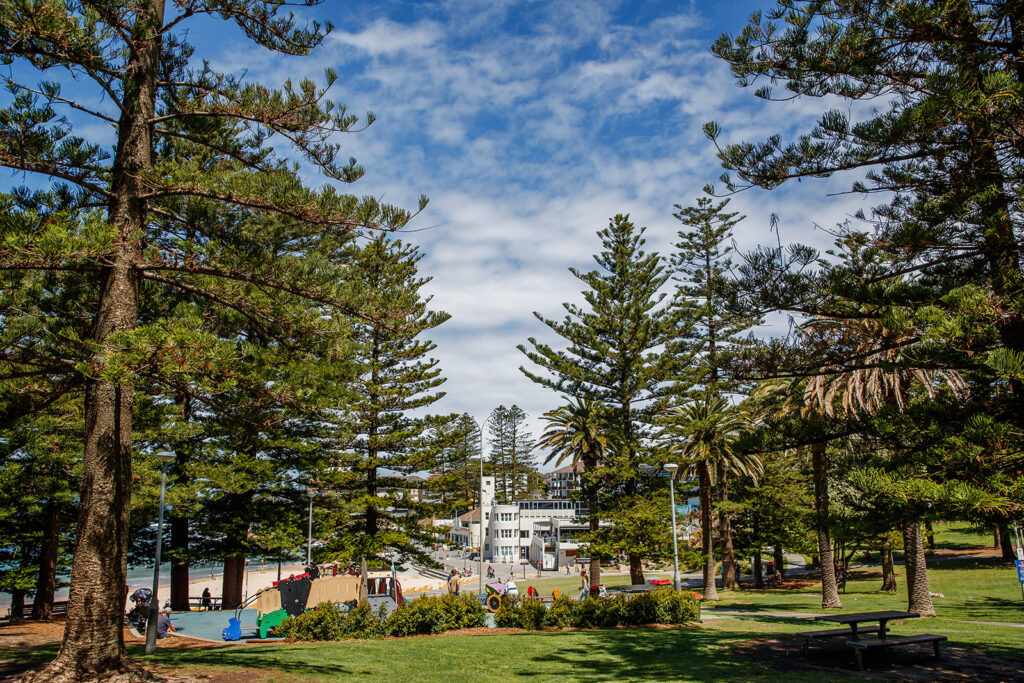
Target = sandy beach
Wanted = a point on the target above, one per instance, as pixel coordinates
(257, 578)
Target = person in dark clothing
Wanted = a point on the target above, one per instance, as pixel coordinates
(206, 599)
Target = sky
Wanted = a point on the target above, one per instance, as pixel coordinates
(529, 124)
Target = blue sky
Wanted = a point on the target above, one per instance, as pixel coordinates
(529, 124)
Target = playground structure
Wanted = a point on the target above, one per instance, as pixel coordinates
(293, 596)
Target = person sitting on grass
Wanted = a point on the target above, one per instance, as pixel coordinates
(511, 588)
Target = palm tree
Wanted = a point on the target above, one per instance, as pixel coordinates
(576, 432)
(705, 433)
(882, 379)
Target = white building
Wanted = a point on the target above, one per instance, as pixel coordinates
(542, 532)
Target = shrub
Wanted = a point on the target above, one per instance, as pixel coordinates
(676, 607)
(641, 609)
(323, 622)
(601, 612)
(436, 614)
(564, 612)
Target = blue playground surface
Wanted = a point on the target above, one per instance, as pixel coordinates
(209, 625)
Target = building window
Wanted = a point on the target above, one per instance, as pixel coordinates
(524, 534)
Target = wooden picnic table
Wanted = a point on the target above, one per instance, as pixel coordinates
(852, 620)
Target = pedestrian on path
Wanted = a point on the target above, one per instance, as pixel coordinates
(453, 583)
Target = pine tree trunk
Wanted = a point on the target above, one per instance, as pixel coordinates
(636, 570)
(888, 571)
(758, 571)
(1005, 544)
(919, 598)
(997, 542)
(729, 578)
(93, 635)
(18, 604)
(707, 546)
(46, 584)
(819, 464)
(930, 534)
(179, 563)
(234, 577)
(780, 560)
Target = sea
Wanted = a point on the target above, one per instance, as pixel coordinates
(141, 576)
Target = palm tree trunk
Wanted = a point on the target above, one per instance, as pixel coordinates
(729, 579)
(704, 477)
(819, 465)
(888, 571)
(595, 562)
(919, 598)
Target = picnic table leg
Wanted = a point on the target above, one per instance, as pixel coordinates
(860, 659)
(881, 628)
(853, 627)
(936, 644)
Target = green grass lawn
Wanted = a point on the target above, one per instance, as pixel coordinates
(684, 654)
(976, 590)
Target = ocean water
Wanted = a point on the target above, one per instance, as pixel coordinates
(141, 576)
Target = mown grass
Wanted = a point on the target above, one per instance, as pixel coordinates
(677, 654)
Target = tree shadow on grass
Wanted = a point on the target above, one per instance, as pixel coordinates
(13, 663)
(254, 657)
(651, 654)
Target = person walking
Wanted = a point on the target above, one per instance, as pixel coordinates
(453, 583)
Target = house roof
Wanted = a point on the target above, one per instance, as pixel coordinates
(578, 467)
(471, 516)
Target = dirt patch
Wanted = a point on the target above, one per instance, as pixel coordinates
(905, 663)
(31, 634)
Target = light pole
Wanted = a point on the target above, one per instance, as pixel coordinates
(671, 468)
(165, 458)
(480, 550)
(309, 543)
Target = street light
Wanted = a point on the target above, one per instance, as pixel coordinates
(671, 468)
(480, 549)
(309, 544)
(165, 458)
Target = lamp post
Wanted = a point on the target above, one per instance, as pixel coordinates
(671, 468)
(309, 543)
(480, 549)
(165, 458)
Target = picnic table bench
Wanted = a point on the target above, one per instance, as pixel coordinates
(861, 646)
(811, 637)
(197, 603)
(855, 631)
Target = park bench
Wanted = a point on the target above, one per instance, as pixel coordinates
(60, 608)
(810, 637)
(862, 646)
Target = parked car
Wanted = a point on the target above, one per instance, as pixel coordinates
(473, 557)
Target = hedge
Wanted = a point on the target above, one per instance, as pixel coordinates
(451, 612)
(426, 615)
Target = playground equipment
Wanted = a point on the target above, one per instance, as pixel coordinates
(291, 597)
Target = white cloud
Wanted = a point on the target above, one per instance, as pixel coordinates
(530, 124)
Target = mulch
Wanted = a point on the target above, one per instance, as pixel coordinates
(906, 663)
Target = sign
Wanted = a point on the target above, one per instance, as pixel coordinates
(1020, 570)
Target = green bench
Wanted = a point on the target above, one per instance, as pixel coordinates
(862, 646)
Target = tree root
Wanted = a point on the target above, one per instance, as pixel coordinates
(62, 671)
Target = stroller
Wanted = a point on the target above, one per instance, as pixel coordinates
(138, 614)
